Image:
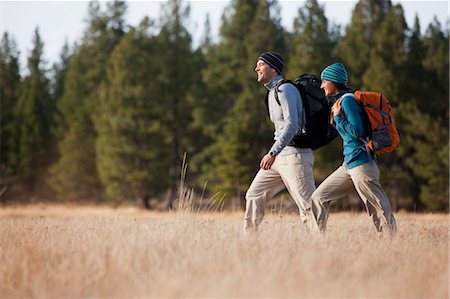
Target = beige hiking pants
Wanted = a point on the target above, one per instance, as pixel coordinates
(365, 178)
(294, 172)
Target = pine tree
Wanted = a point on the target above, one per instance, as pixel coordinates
(388, 56)
(419, 164)
(74, 177)
(413, 87)
(227, 62)
(223, 62)
(313, 41)
(176, 76)
(200, 128)
(424, 161)
(235, 160)
(132, 145)
(34, 112)
(9, 95)
(436, 63)
(59, 73)
(355, 47)
(228, 72)
(77, 107)
(424, 156)
(246, 134)
(206, 41)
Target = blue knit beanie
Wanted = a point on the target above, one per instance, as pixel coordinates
(274, 60)
(335, 73)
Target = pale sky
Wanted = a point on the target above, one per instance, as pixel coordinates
(65, 20)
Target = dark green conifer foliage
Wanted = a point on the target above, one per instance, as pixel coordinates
(133, 145)
(221, 78)
(416, 83)
(423, 122)
(388, 56)
(355, 47)
(400, 72)
(74, 175)
(59, 73)
(9, 95)
(313, 41)
(201, 101)
(34, 111)
(246, 134)
(227, 61)
(206, 40)
(175, 79)
(423, 160)
(436, 63)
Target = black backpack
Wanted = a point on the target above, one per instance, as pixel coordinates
(319, 131)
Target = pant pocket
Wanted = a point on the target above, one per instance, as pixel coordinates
(294, 159)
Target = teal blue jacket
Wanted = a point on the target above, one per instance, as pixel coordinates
(350, 124)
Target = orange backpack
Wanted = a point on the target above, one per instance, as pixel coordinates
(383, 135)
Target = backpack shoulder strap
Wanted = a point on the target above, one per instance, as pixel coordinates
(339, 101)
(348, 94)
(266, 101)
(277, 86)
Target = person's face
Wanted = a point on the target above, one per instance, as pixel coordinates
(264, 71)
(329, 88)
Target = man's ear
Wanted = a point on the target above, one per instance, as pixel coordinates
(274, 72)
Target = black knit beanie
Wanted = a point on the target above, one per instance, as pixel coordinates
(274, 59)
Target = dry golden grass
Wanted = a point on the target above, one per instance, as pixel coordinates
(60, 252)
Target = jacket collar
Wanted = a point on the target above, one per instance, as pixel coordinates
(273, 82)
(341, 93)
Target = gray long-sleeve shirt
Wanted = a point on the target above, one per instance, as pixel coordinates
(287, 117)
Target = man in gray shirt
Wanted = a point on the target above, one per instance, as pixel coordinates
(284, 166)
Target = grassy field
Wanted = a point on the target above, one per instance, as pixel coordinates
(79, 252)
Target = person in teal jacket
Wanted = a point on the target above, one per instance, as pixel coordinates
(359, 168)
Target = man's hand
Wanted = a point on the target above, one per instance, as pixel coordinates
(266, 162)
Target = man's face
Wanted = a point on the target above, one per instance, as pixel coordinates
(264, 71)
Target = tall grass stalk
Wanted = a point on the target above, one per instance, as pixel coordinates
(185, 196)
(187, 202)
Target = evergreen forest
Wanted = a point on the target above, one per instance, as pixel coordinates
(115, 117)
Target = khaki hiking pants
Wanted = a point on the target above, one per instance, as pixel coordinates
(365, 178)
(294, 172)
